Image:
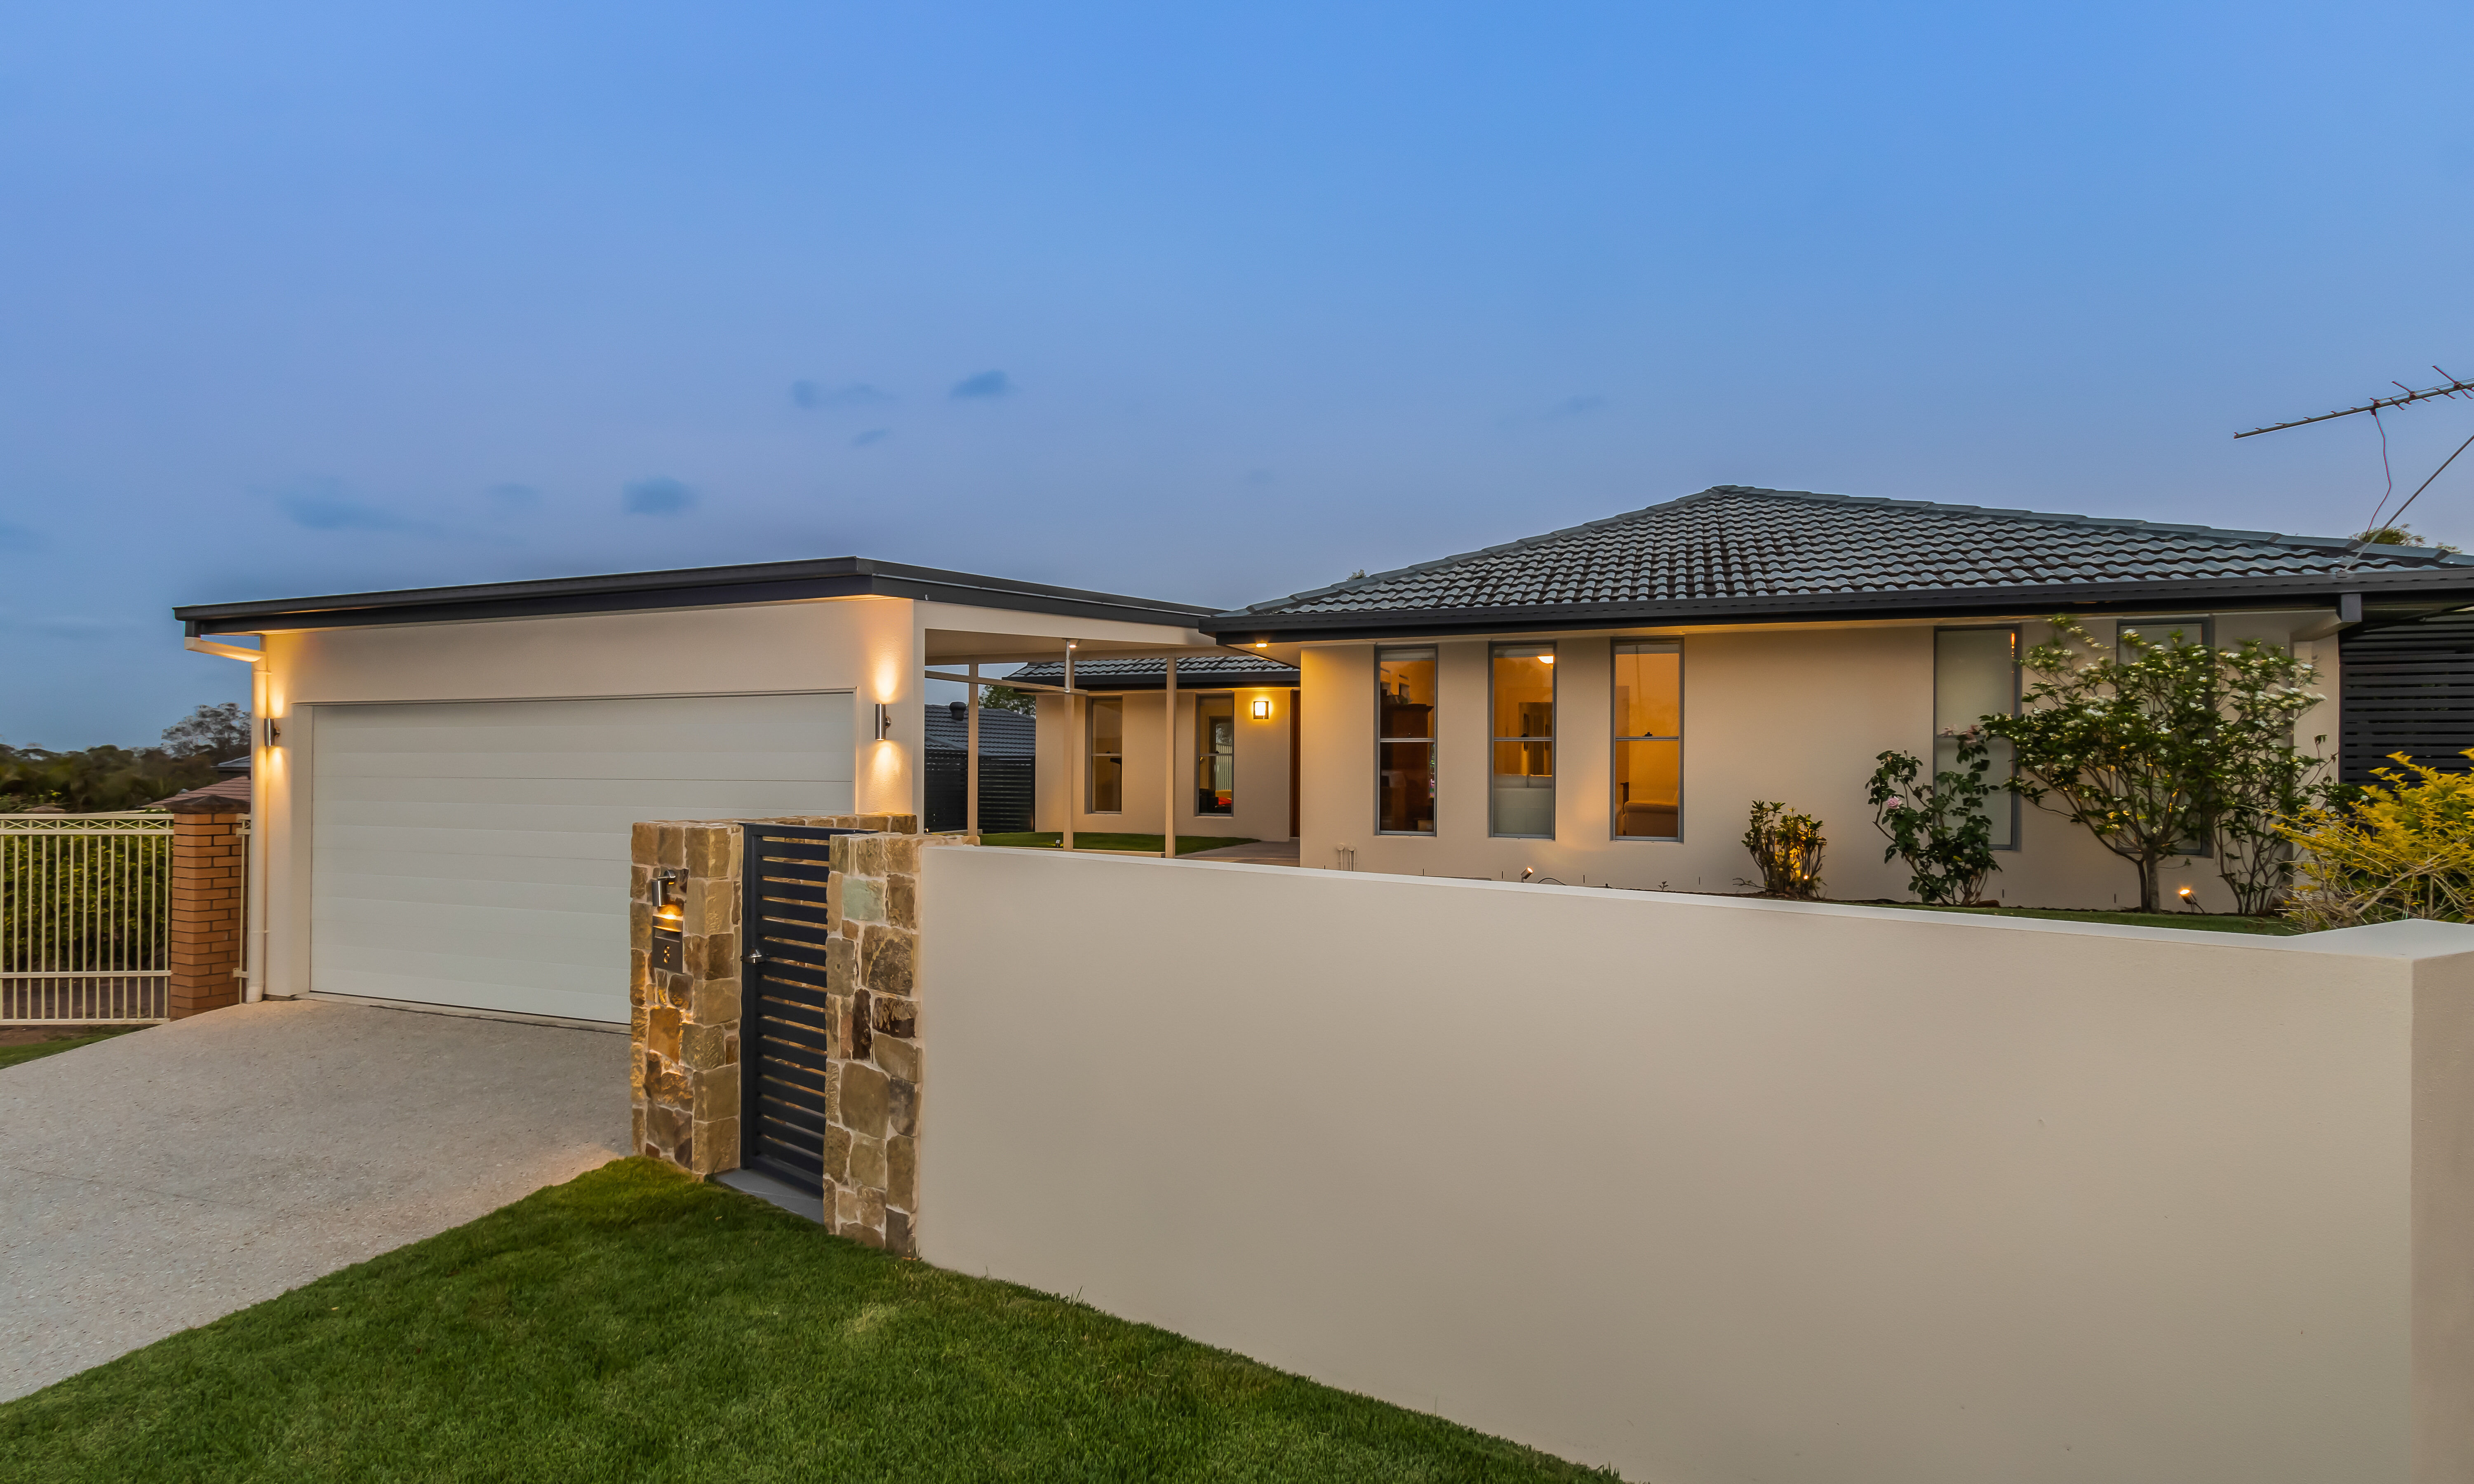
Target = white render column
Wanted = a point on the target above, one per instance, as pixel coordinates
(971, 761)
(1073, 748)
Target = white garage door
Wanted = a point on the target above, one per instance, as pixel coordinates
(475, 853)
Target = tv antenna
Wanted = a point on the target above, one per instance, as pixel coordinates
(2453, 389)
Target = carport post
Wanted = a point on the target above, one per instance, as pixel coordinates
(1168, 769)
(1073, 746)
(971, 762)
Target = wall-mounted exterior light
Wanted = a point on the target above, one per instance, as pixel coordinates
(670, 920)
(884, 721)
(274, 732)
(1261, 709)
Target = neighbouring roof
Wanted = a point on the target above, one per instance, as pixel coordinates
(1738, 553)
(1197, 671)
(770, 581)
(225, 796)
(1002, 733)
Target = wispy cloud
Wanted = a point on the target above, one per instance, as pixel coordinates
(17, 537)
(660, 495)
(509, 498)
(1577, 406)
(809, 395)
(327, 505)
(871, 435)
(988, 383)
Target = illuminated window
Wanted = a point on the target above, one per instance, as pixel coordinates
(1107, 749)
(1523, 802)
(1649, 741)
(1215, 755)
(1405, 741)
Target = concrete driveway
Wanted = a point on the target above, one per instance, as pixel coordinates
(162, 1179)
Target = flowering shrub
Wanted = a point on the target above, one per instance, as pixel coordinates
(2405, 850)
(2162, 753)
(1939, 828)
(1786, 848)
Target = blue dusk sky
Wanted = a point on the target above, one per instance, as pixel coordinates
(1204, 302)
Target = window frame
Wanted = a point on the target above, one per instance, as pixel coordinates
(1554, 724)
(1616, 740)
(1433, 654)
(1091, 754)
(2018, 652)
(2168, 622)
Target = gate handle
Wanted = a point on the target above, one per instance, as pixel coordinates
(756, 958)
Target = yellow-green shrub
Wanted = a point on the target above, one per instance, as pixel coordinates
(2405, 850)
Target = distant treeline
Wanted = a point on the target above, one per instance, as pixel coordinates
(102, 778)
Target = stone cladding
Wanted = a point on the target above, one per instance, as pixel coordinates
(684, 1076)
(873, 1070)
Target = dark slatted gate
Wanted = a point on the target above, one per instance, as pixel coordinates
(2407, 688)
(784, 1023)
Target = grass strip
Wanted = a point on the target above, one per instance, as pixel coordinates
(11, 1056)
(638, 1324)
(1094, 840)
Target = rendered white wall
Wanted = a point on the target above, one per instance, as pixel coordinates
(1718, 1190)
(1262, 804)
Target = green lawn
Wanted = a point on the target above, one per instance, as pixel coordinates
(1093, 840)
(2196, 921)
(638, 1324)
(11, 1056)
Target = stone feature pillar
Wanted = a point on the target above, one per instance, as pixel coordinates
(684, 1077)
(209, 864)
(872, 1077)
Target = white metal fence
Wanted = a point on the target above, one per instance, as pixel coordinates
(86, 909)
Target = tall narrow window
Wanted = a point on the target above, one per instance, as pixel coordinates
(2167, 632)
(1404, 727)
(1107, 731)
(1215, 755)
(1975, 674)
(1524, 741)
(1649, 741)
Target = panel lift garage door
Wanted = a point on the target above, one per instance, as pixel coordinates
(475, 853)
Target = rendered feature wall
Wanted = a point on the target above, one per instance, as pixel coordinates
(1716, 1190)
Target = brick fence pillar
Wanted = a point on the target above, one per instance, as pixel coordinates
(209, 857)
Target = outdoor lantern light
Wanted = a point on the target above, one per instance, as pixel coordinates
(884, 721)
(1261, 709)
(2185, 894)
(669, 922)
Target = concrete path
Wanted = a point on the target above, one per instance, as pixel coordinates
(162, 1179)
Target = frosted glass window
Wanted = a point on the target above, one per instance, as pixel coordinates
(1975, 674)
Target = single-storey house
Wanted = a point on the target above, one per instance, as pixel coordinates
(1601, 704)
(444, 777)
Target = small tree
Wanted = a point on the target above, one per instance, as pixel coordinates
(1786, 848)
(2122, 743)
(1005, 698)
(1940, 829)
(2162, 752)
